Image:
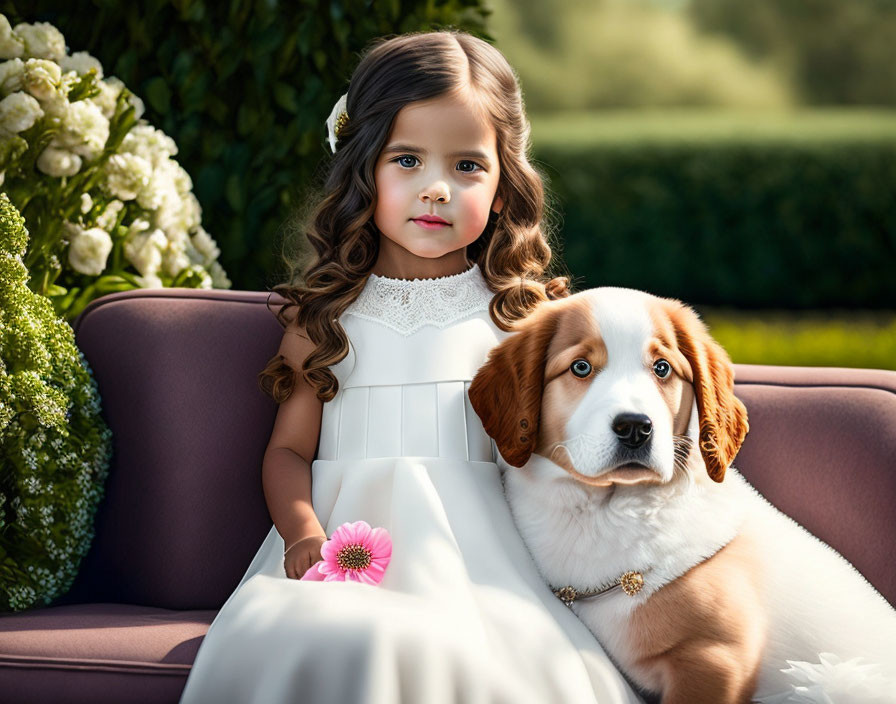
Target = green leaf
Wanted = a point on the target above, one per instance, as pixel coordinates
(158, 94)
(86, 87)
(246, 119)
(11, 148)
(286, 97)
(234, 191)
(181, 66)
(335, 11)
(111, 283)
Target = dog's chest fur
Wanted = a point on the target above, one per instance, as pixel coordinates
(587, 539)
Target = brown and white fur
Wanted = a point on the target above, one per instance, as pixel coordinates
(733, 587)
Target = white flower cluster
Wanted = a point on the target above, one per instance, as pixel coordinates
(162, 216)
(36, 77)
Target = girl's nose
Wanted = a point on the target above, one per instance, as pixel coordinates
(436, 192)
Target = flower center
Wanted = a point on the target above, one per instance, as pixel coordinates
(353, 557)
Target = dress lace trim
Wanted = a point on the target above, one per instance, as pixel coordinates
(406, 305)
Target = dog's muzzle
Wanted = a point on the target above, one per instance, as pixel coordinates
(632, 429)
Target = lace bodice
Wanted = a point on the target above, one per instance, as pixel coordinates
(406, 305)
(414, 347)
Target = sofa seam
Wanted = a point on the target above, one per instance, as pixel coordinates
(792, 385)
(28, 662)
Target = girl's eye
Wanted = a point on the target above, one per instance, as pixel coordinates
(662, 368)
(581, 368)
(415, 159)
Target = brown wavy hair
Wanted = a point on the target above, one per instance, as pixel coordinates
(513, 251)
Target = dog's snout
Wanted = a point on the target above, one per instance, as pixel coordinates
(632, 429)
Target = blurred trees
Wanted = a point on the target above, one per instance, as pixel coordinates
(645, 53)
(626, 53)
(833, 51)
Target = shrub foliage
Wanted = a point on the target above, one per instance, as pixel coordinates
(54, 445)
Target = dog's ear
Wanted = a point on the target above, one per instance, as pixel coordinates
(723, 417)
(506, 391)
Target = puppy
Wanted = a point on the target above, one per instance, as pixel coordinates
(614, 414)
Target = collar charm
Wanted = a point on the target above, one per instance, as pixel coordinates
(630, 582)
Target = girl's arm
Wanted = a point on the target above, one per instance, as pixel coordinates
(286, 470)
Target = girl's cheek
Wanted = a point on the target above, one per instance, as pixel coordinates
(388, 197)
(477, 204)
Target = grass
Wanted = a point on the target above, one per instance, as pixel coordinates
(813, 338)
(707, 125)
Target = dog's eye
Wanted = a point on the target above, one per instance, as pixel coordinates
(662, 368)
(581, 368)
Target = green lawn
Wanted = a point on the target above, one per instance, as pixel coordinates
(707, 125)
(812, 339)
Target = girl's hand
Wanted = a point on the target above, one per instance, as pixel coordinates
(302, 555)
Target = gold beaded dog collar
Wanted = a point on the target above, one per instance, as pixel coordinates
(630, 582)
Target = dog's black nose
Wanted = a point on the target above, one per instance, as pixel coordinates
(632, 429)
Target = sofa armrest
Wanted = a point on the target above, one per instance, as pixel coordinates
(822, 449)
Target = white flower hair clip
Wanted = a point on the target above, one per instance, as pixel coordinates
(338, 117)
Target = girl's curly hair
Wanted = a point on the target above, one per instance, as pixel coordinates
(513, 251)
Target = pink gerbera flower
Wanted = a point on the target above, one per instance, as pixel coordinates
(354, 553)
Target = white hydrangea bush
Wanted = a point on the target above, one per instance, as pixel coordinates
(107, 205)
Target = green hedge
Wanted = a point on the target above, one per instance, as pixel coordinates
(244, 88)
(796, 211)
(812, 339)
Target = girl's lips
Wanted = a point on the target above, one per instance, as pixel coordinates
(432, 217)
(429, 225)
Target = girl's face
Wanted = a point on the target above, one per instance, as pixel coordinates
(439, 159)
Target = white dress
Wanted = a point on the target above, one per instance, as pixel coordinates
(462, 614)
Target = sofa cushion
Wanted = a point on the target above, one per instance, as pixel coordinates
(820, 449)
(95, 653)
(183, 511)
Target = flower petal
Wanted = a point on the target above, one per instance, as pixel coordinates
(378, 566)
(380, 543)
(360, 532)
(366, 577)
(375, 574)
(330, 548)
(342, 534)
(313, 574)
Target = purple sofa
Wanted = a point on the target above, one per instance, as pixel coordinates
(184, 510)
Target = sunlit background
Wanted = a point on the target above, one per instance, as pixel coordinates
(737, 155)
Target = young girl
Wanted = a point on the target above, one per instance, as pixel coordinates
(396, 315)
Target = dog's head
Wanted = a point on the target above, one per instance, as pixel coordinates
(603, 384)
